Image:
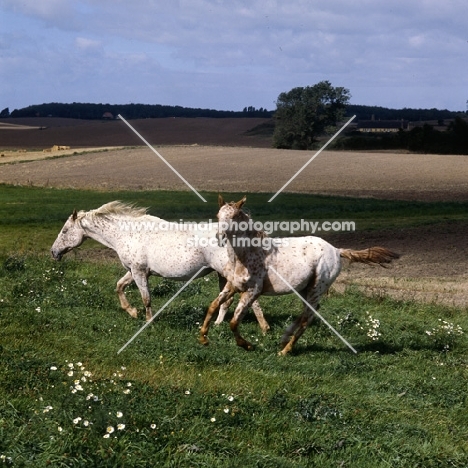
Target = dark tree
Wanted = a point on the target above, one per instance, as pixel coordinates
(303, 114)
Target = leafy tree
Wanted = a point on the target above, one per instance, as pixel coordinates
(303, 114)
(5, 113)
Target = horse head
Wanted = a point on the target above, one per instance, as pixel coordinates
(72, 235)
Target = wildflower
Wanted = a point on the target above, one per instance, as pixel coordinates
(127, 391)
(70, 365)
(110, 429)
(47, 409)
(373, 325)
(230, 398)
(119, 414)
(76, 420)
(37, 309)
(226, 410)
(53, 368)
(79, 364)
(70, 373)
(86, 423)
(213, 419)
(129, 384)
(120, 427)
(79, 387)
(153, 426)
(106, 436)
(187, 392)
(60, 429)
(85, 282)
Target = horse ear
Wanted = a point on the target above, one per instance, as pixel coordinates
(240, 203)
(74, 215)
(221, 201)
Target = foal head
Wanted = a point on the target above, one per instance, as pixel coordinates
(230, 213)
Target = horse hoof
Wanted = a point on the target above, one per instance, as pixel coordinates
(246, 345)
(133, 313)
(204, 341)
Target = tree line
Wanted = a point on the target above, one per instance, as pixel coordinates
(90, 111)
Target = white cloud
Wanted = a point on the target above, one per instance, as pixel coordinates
(84, 43)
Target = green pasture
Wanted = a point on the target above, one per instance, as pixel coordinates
(68, 399)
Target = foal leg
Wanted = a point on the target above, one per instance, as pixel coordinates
(141, 280)
(245, 301)
(255, 306)
(121, 285)
(260, 318)
(225, 295)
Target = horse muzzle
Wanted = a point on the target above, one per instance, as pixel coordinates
(56, 255)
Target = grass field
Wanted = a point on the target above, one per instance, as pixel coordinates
(68, 399)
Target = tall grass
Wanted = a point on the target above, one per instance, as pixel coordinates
(67, 398)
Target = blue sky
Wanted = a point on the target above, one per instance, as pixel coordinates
(229, 54)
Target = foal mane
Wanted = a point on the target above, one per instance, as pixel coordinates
(115, 208)
(245, 216)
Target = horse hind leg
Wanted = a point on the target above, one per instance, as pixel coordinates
(312, 295)
(120, 290)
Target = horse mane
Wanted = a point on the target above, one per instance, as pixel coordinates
(115, 208)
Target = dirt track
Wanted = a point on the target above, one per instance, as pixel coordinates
(434, 263)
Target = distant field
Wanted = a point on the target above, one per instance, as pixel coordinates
(244, 169)
(91, 133)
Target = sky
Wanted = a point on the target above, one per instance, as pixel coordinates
(231, 54)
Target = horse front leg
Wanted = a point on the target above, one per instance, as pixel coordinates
(245, 301)
(120, 290)
(225, 295)
(141, 280)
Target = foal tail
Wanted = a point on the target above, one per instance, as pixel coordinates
(372, 255)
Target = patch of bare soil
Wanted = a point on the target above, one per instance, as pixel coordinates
(433, 266)
(21, 156)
